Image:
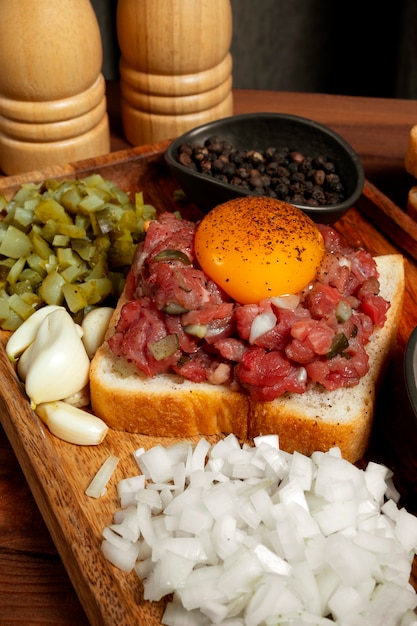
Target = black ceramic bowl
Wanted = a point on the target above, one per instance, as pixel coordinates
(410, 369)
(260, 131)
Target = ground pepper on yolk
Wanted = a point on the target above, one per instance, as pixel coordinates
(257, 247)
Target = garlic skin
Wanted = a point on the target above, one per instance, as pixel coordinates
(72, 424)
(24, 335)
(58, 365)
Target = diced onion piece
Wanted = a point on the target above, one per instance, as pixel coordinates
(290, 301)
(123, 559)
(98, 485)
(261, 325)
(197, 330)
(257, 536)
(344, 262)
(127, 488)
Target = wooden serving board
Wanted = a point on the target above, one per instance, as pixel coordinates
(58, 473)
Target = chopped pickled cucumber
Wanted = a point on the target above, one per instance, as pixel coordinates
(12, 321)
(21, 287)
(33, 277)
(23, 217)
(68, 242)
(51, 288)
(83, 248)
(16, 270)
(121, 252)
(61, 241)
(4, 306)
(20, 307)
(91, 203)
(50, 209)
(15, 243)
(50, 230)
(40, 245)
(74, 297)
(71, 198)
(36, 263)
(75, 273)
(72, 231)
(66, 258)
(97, 289)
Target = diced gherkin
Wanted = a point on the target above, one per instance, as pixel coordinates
(66, 242)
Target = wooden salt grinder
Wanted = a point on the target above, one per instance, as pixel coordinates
(175, 66)
(52, 92)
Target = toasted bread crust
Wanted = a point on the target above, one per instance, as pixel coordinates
(304, 434)
(164, 406)
(320, 420)
(315, 420)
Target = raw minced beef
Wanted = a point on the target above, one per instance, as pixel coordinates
(319, 339)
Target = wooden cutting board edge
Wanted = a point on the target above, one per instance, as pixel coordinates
(109, 597)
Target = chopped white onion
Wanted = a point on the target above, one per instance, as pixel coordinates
(344, 262)
(254, 536)
(97, 487)
(127, 488)
(290, 301)
(261, 325)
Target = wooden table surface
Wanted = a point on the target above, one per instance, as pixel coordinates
(34, 586)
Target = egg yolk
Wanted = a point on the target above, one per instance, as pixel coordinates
(255, 248)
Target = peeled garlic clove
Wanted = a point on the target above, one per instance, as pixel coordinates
(26, 333)
(79, 399)
(23, 363)
(59, 365)
(95, 325)
(72, 424)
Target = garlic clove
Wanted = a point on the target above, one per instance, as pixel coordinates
(26, 333)
(58, 365)
(79, 399)
(72, 424)
(23, 363)
(95, 325)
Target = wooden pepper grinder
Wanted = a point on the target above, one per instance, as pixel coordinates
(175, 66)
(52, 92)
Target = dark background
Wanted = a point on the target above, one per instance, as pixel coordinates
(366, 48)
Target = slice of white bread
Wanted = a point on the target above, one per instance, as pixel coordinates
(316, 420)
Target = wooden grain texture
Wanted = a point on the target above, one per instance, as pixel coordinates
(58, 473)
(377, 128)
(397, 225)
(179, 75)
(45, 120)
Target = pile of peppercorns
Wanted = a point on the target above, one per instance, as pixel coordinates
(285, 174)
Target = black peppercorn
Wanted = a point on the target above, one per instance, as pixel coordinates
(283, 173)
